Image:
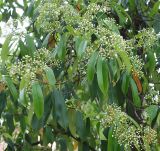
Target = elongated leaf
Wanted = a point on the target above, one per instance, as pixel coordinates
(126, 60)
(155, 9)
(80, 126)
(3, 102)
(82, 48)
(136, 99)
(151, 64)
(125, 83)
(30, 44)
(110, 140)
(11, 87)
(72, 121)
(60, 109)
(91, 67)
(38, 100)
(151, 112)
(102, 76)
(61, 48)
(50, 77)
(5, 48)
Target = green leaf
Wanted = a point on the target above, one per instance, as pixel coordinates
(102, 76)
(30, 44)
(125, 59)
(3, 102)
(110, 145)
(50, 76)
(60, 109)
(72, 121)
(91, 67)
(155, 9)
(151, 112)
(151, 64)
(23, 49)
(5, 48)
(38, 100)
(61, 48)
(80, 126)
(156, 23)
(82, 47)
(125, 83)
(11, 87)
(136, 99)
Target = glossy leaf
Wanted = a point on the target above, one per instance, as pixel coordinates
(12, 87)
(135, 95)
(50, 77)
(38, 100)
(102, 76)
(125, 83)
(60, 109)
(91, 67)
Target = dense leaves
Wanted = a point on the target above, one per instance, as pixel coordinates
(80, 75)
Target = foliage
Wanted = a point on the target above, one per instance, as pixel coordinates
(83, 74)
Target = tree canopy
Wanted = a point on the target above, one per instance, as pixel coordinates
(83, 74)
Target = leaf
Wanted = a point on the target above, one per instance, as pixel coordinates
(156, 23)
(3, 102)
(125, 59)
(82, 47)
(136, 99)
(23, 49)
(61, 48)
(50, 76)
(151, 64)
(145, 84)
(152, 112)
(102, 76)
(91, 67)
(125, 83)
(110, 140)
(11, 87)
(60, 109)
(30, 44)
(72, 121)
(80, 126)
(5, 48)
(23, 84)
(155, 9)
(38, 100)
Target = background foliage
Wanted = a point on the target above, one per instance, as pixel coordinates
(83, 74)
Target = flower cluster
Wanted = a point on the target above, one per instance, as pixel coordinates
(32, 68)
(127, 132)
(146, 38)
(137, 65)
(153, 97)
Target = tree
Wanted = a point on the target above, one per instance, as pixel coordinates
(83, 74)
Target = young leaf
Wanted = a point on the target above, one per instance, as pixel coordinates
(91, 67)
(136, 99)
(38, 100)
(50, 77)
